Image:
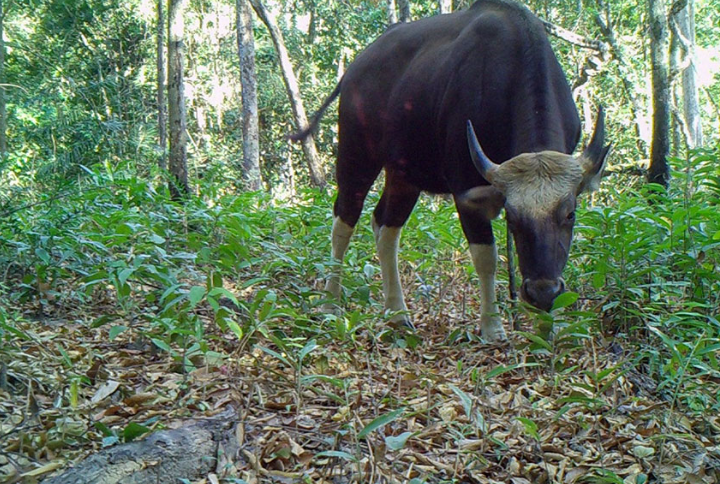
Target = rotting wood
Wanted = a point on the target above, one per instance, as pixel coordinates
(190, 452)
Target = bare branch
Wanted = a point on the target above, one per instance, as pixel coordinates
(574, 38)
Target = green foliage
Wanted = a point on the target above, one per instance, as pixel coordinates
(88, 239)
(645, 268)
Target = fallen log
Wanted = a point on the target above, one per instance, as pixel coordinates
(190, 452)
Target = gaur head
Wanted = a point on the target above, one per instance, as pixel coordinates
(540, 193)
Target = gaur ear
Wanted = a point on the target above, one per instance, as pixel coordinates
(594, 171)
(487, 200)
(594, 157)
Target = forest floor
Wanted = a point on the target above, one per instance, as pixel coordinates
(367, 409)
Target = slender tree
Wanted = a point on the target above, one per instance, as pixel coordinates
(317, 177)
(691, 104)
(659, 172)
(677, 124)
(248, 79)
(179, 187)
(3, 111)
(605, 23)
(161, 103)
(392, 16)
(404, 10)
(444, 6)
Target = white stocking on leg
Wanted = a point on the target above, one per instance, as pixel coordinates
(484, 258)
(387, 240)
(341, 233)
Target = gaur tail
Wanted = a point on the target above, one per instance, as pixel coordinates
(308, 130)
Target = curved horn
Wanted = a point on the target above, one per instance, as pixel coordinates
(483, 164)
(593, 158)
(594, 150)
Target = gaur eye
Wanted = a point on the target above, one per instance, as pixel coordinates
(571, 216)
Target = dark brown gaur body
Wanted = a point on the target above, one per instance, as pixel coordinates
(408, 104)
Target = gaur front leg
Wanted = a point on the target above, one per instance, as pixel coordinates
(484, 257)
(476, 209)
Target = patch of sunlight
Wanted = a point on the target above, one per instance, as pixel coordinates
(707, 65)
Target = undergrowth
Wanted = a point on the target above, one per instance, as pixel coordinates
(115, 253)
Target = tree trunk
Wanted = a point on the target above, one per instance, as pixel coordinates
(404, 8)
(676, 59)
(3, 111)
(317, 177)
(392, 17)
(658, 172)
(691, 103)
(176, 98)
(161, 103)
(248, 79)
(188, 453)
(444, 6)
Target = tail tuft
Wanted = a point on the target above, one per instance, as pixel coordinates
(312, 127)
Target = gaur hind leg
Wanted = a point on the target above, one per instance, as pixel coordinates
(353, 187)
(478, 231)
(391, 213)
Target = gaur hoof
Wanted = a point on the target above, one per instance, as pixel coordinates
(492, 330)
(402, 323)
(331, 308)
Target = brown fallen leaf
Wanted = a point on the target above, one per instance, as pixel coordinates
(107, 389)
(139, 399)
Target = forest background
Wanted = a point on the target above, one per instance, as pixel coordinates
(159, 264)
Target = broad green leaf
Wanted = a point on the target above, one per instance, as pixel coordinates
(499, 370)
(668, 341)
(307, 349)
(324, 378)
(133, 431)
(95, 278)
(10, 329)
(221, 291)
(74, 390)
(162, 345)
(232, 324)
(397, 442)
(43, 255)
(537, 340)
(104, 429)
(277, 355)
(564, 300)
(195, 295)
(115, 331)
(582, 400)
(253, 281)
(216, 280)
(170, 290)
(156, 239)
(102, 320)
(381, 421)
(530, 427)
(125, 274)
(337, 453)
(465, 399)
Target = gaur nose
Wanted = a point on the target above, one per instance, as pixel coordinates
(542, 292)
